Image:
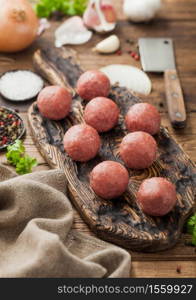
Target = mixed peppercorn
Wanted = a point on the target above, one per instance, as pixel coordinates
(133, 52)
(11, 127)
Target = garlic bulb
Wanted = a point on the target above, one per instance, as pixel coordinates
(108, 45)
(100, 16)
(141, 10)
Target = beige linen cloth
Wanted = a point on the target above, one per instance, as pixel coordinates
(36, 236)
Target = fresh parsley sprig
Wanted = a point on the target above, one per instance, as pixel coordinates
(16, 156)
(191, 228)
(44, 8)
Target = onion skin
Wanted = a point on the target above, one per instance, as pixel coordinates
(18, 25)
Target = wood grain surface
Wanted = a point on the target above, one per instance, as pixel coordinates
(177, 20)
(175, 99)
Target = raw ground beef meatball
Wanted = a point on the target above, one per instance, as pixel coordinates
(82, 142)
(138, 150)
(54, 102)
(92, 84)
(109, 179)
(156, 196)
(143, 117)
(102, 114)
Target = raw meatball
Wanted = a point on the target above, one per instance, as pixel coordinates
(109, 179)
(54, 102)
(138, 150)
(82, 142)
(93, 84)
(102, 114)
(143, 117)
(156, 196)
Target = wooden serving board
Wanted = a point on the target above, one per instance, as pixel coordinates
(119, 221)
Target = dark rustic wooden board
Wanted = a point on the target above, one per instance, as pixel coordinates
(119, 221)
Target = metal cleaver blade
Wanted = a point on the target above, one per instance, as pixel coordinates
(157, 55)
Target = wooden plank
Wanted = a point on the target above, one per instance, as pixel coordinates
(164, 269)
(181, 10)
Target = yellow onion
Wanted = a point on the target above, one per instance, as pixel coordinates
(18, 25)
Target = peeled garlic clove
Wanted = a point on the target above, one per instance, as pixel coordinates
(108, 45)
(100, 15)
(72, 32)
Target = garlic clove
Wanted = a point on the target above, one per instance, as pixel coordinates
(90, 17)
(109, 11)
(108, 45)
(72, 32)
(100, 15)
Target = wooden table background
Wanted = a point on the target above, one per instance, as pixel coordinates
(177, 20)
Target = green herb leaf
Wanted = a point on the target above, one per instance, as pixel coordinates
(191, 228)
(16, 157)
(25, 165)
(17, 146)
(14, 152)
(42, 11)
(44, 8)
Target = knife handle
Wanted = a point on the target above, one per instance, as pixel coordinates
(175, 99)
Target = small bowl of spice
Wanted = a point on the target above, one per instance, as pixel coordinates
(20, 85)
(11, 127)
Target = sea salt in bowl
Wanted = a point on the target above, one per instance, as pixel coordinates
(20, 85)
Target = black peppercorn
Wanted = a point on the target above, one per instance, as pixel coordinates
(11, 127)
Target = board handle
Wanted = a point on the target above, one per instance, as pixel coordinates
(175, 99)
